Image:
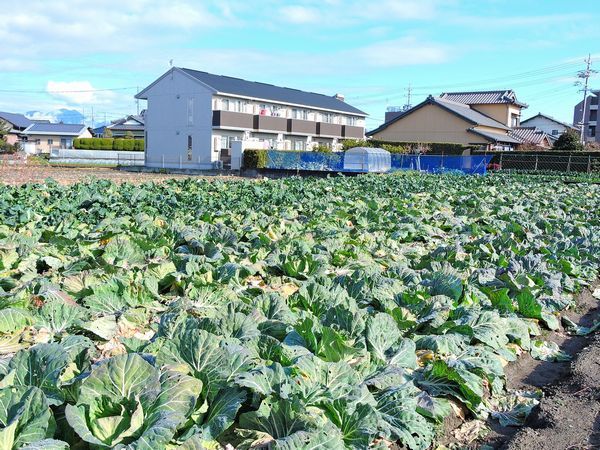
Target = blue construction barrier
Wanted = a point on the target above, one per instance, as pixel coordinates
(315, 161)
(442, 163)
(334, 162)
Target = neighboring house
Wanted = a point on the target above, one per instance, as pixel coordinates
(48, 136)
(446, 121)
(589, 120)
(532, 136)
(548, 125)
(502, 106)
(17, 123)
(119, 128)
(192, 117)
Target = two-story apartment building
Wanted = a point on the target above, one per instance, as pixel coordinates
(587, 118)
(192, 117)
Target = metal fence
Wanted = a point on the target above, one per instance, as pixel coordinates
(546, 162)
(334, 162)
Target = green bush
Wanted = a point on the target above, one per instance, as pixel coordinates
(322, 148)
(255, 159)
(351, 143)
(569, 140)
(128, 145)
(118, 144)
(108, 144)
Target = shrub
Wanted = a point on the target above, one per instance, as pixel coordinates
(118, 144)
(107, 133)
(395, 148)
(322, 148)
(255, 159)
(128, 145)
(129, 135)
(108, 144)
(569, 140)
(351, 143)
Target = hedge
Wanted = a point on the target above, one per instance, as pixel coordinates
(130, 145)
(255, 159)
(407, 147)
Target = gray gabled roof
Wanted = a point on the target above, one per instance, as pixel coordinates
(550, 118)
(507, 96)
(17, 120)
(64, 129)
(529, 135)
(495, 137)
(263, 91)
(460, 109)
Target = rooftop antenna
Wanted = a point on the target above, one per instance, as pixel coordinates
(170, 63)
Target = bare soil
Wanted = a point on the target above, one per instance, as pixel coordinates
(568, 416)
(36, 173)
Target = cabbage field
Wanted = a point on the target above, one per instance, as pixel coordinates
(334, 313)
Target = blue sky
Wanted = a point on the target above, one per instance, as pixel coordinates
(368, 50)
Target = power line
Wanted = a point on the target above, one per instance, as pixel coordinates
(66, 91)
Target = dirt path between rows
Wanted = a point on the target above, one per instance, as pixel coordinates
(568, 416)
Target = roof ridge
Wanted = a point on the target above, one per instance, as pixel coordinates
(258, 82)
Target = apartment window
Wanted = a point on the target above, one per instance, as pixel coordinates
(301, 114)
(189, 148)
(225, 104)
(299, 145)
(593, 115)
(38, 141)
(226, 141)
(351, 121)
(327, 117)
(190, 111)
(592, 131)
(50, 141)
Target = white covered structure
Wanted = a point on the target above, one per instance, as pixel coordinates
(367, 159)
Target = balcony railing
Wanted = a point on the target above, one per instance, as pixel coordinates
(329, 129)
(270, 123)
(232, 119)
(298, 126)
(352, 132)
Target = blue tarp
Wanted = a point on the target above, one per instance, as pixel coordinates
(334, 162)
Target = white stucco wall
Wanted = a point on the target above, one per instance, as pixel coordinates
(168, 127)
(546, 125)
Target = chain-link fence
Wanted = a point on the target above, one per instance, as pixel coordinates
(546, 162)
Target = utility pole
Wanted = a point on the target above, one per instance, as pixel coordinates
(585, 76)
(92, 117)
(137, 100)
(408, 104)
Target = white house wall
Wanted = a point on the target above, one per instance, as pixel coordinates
(547, 126)
(168, 127)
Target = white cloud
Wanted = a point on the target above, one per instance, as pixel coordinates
(402, 52)
(299, 14)
(78, 92)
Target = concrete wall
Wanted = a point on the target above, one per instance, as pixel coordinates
(101, 157)
(430, 124)
(168, 125)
